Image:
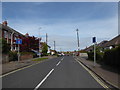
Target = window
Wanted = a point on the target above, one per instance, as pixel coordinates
(9, 35)
(5, 34)
(15, 38)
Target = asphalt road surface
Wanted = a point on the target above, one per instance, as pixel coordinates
(61, 72)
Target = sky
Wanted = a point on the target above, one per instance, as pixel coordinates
(61, 19)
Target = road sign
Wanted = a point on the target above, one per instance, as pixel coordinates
(18, 41)
(94, 39)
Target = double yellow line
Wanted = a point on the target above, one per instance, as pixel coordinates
(93, 75)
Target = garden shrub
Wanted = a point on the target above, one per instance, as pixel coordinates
(13, 56)
(112, 57)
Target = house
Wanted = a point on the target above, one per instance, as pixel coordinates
(10, 35)
(113, 43)
(52, 52)
(88, 49)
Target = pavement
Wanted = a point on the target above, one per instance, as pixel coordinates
(60, 72)
(106, 73)
(14, 65)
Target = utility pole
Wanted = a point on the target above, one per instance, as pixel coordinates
(39, 44)
(54, 45)
(78, 41)
(46, 38)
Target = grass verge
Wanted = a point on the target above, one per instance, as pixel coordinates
(39, 59)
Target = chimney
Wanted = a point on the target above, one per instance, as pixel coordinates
(5, 23)
(26, 34)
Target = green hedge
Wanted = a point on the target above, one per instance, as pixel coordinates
(112, 57)
(99, 56)
(109, 57)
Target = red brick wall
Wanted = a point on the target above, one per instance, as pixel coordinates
(26, 56)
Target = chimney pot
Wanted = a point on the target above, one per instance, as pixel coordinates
(5, 23)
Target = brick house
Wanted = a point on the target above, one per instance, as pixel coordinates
(10, 35)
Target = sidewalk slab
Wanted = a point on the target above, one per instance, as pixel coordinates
(107, 75)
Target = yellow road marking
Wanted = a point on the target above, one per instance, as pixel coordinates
(95, 77)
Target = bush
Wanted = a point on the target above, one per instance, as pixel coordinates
(112, 57)
(99, 56)
(13, 56)
(5, 46)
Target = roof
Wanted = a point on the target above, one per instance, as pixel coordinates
(89, 48)
(101, 44)
(114, 41)
(9, 29)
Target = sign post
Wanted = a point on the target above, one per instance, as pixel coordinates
(18, 41)
(94, 41)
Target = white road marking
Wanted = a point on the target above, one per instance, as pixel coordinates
(62, 58)
(58, 63)
(43, 79)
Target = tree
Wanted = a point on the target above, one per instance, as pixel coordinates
(5, 46)
(28, 43)
(44, 49)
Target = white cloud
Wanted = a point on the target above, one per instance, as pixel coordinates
(64, 33)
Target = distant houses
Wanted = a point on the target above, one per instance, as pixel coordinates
(113, 43)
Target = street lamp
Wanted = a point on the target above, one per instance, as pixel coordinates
(78, 41)
(12, 41)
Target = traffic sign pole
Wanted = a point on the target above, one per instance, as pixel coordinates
(94, 54)
(19, 41)
(18, 52)
(94, 41)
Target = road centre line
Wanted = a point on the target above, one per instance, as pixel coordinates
(58, 63)
(43, 79)
(90, 72)
(62, 58)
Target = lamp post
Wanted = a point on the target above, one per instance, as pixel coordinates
(12, 41)
(78, 41)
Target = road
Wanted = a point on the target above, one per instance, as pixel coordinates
(61, 72)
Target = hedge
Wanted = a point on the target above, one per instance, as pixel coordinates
(99, 56)
(109, 57)
(112, 57)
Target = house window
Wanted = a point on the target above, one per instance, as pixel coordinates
(5, 34)
(9, 35)
(15, 38)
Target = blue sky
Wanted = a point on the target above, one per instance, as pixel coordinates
(61, 19)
